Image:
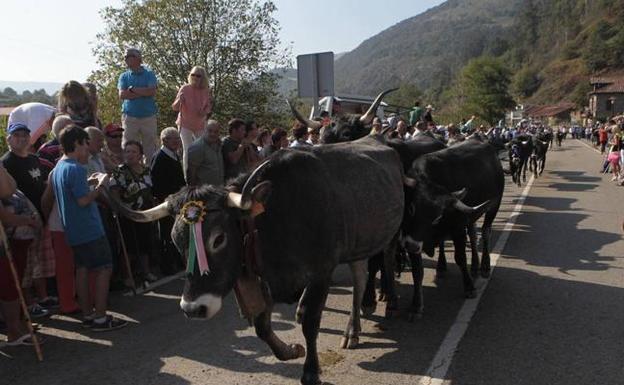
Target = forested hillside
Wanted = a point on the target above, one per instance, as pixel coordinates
(550, 46)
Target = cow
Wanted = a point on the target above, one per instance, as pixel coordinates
(538, 158)
(345, 128)
(312, 209)
(446, 192)
(520, 150)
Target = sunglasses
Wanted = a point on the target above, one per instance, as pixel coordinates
(196, 75)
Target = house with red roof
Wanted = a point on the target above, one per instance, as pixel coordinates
(607, 97)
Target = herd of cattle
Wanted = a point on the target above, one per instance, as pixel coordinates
(352, 200)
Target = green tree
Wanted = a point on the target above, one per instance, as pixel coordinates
(525, 82)
(483, 89)
(235, 40)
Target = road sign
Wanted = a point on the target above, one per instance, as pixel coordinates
(315, 75)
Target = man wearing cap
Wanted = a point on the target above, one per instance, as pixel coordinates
(23, 166)
(112, 155)
(427, 117)
(137, 88)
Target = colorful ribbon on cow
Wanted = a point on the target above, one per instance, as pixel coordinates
(193, 214)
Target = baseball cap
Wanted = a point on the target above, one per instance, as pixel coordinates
(112, 128)
(14, 127)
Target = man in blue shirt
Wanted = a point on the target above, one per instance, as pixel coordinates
(137, 88)
(83, 228)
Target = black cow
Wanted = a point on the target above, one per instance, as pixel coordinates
(320, 207)
(520, 150)
(443, 186)
(538, 158)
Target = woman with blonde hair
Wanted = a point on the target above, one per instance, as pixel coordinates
(194, 106)
(74, 100)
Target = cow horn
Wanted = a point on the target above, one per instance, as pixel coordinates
(245, 199)
(234, 200)
(149, 215)
(524, 143)
(464, 208)
(367, 118)
(308, 123)
(460, 194)
(409, 182)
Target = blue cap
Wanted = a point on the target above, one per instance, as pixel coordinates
(14, 127)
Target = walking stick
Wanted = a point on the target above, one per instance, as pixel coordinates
(18, 285)
(124, 252)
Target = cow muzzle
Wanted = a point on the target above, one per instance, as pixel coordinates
(204, 307)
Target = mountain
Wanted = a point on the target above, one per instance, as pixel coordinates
(550, 46)
(49, 87)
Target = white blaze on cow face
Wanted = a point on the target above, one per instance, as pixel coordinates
(210, 303)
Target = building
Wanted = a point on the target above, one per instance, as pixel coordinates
(607, 97)
(561, 113)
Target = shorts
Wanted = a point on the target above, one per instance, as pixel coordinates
(93, 255)
(614, 158)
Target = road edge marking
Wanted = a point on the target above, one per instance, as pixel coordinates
(437, 371)
(588, 146)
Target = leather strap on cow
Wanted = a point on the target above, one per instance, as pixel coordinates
(248, 287)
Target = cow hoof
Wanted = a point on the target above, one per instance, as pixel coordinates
(413, 316)
(298, 350)
(368, 311)
(471, 293)
(349, 342)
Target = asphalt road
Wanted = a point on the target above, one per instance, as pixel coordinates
(552, 313)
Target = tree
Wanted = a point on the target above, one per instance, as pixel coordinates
(235, 40)
(525, 82)
(483, 89)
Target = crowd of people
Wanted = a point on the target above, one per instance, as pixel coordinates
(70, 249)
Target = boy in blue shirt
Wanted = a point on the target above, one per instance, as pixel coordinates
(83, 228)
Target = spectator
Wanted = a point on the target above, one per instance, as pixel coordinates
(300, 132)
(83, 228)
(96, 143)
(427, 116)
(415, 113)
(614, 156)
(93, 97)
(112, 155)
(51, 150)
(236, 149)
(314, 136)
(421, 128)
(74, 101)
(21, 223)
(137, 88)
(263, 140)
(603, 137)
(131, 183)
(279, 139)
(401, 130)
(377, 128)
(205, 158)
(167, 179)
(37, 117)
(253, 155)
(194, 103)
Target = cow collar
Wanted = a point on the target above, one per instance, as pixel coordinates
(249, 289)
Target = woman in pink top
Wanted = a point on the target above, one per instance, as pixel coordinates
(194, 103)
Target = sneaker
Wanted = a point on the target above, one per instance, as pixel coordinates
(37, 311)
(50, 303)
(110, 323)
(87, 323)
(614, 178)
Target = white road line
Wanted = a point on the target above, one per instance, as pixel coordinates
(442, 361)
(588, 146)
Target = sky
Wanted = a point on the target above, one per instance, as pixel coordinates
(52, 41)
